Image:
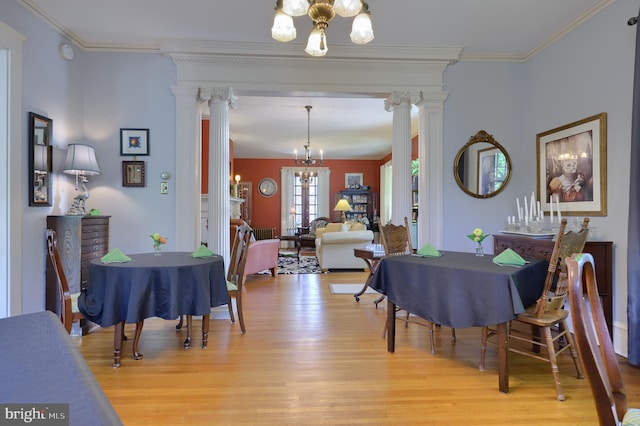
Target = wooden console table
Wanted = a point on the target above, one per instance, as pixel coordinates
(541, 248)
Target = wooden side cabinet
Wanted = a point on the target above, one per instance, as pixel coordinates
(542, 248)
(80, 240)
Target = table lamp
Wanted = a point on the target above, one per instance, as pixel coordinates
(81, 161)
(343, 206)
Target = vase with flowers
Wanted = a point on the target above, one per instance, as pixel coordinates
(477, 236)
(157, 241)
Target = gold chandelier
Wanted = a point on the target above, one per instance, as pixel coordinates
(307, 159)
(321, 12)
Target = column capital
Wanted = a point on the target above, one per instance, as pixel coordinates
(217, 94)
(398, 98)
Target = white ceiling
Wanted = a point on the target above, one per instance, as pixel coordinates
(343, 127)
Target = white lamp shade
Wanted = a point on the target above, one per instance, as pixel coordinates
(317, 43)
(347, 8)
(81, 159)
(283, 28)
(295, 7)
(343, 206)
(40, 158)
(362, 30)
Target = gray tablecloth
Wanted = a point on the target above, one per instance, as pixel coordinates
(460, 289)
(165, 286)
(41, 365)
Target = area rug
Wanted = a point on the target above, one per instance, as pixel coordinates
(350, 289)
(290, 265)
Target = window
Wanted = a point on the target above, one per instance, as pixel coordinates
(305, 198)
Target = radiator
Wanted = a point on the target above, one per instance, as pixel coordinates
(264, 233)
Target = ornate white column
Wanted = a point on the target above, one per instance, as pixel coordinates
(432, 170)
(187, 173)
(400, 104)
(220, 99)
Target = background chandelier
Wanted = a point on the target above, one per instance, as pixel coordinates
(321, 12)
(307, 160)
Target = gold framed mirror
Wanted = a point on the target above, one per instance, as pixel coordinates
(39, 160)
(482, 167)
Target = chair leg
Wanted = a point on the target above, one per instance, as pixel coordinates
(431, 339)
(553, 361)
(453, 335)
(239, 308)
(406, 324)
(483, 347)
(230, 305)
(572, 349)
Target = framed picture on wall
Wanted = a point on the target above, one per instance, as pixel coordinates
(133, 174)
(572, 167)
(134, 141)
(353, 180)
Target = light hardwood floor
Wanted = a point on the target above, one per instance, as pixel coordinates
(313, 358)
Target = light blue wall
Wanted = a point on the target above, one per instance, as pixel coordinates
(589, 71)
(482, 96)
(90, 98)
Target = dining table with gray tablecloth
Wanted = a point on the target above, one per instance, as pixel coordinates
(460, 290)
(44, 375)
(167, 286)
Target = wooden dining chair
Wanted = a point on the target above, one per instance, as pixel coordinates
(67, 301)
(594, 345)
(547, 316)
(235, 273)
(396, 240)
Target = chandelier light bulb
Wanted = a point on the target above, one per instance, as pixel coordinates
(317, 43)
(295, 7)
(347, 8)
(362, 30)
(283, 28)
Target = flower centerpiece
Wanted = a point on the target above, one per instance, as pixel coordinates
(157, 240)
(477, 236)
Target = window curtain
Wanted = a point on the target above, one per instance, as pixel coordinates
(385, 193)
(633, 246)
(287, 182)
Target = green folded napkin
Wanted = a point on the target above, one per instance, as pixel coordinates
(429, 250)
(115, 256)
(203, 251)
(509, 257)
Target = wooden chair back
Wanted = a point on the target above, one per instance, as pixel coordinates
(396, 239)
(594, 342)
(239, 250)
(65, 310)
(244, 236)
(555, 286)
(572, 242)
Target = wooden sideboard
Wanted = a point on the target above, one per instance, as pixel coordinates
(80, 240)
(542, 248)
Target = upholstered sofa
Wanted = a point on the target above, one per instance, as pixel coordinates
(263, 254)
(335, 244)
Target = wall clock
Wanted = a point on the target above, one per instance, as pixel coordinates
(267, 187)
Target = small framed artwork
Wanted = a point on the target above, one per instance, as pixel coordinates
(353, 180)
(133, 174)
(572, 167)
(134, 141)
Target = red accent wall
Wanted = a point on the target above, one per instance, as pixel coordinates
(266, 210)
